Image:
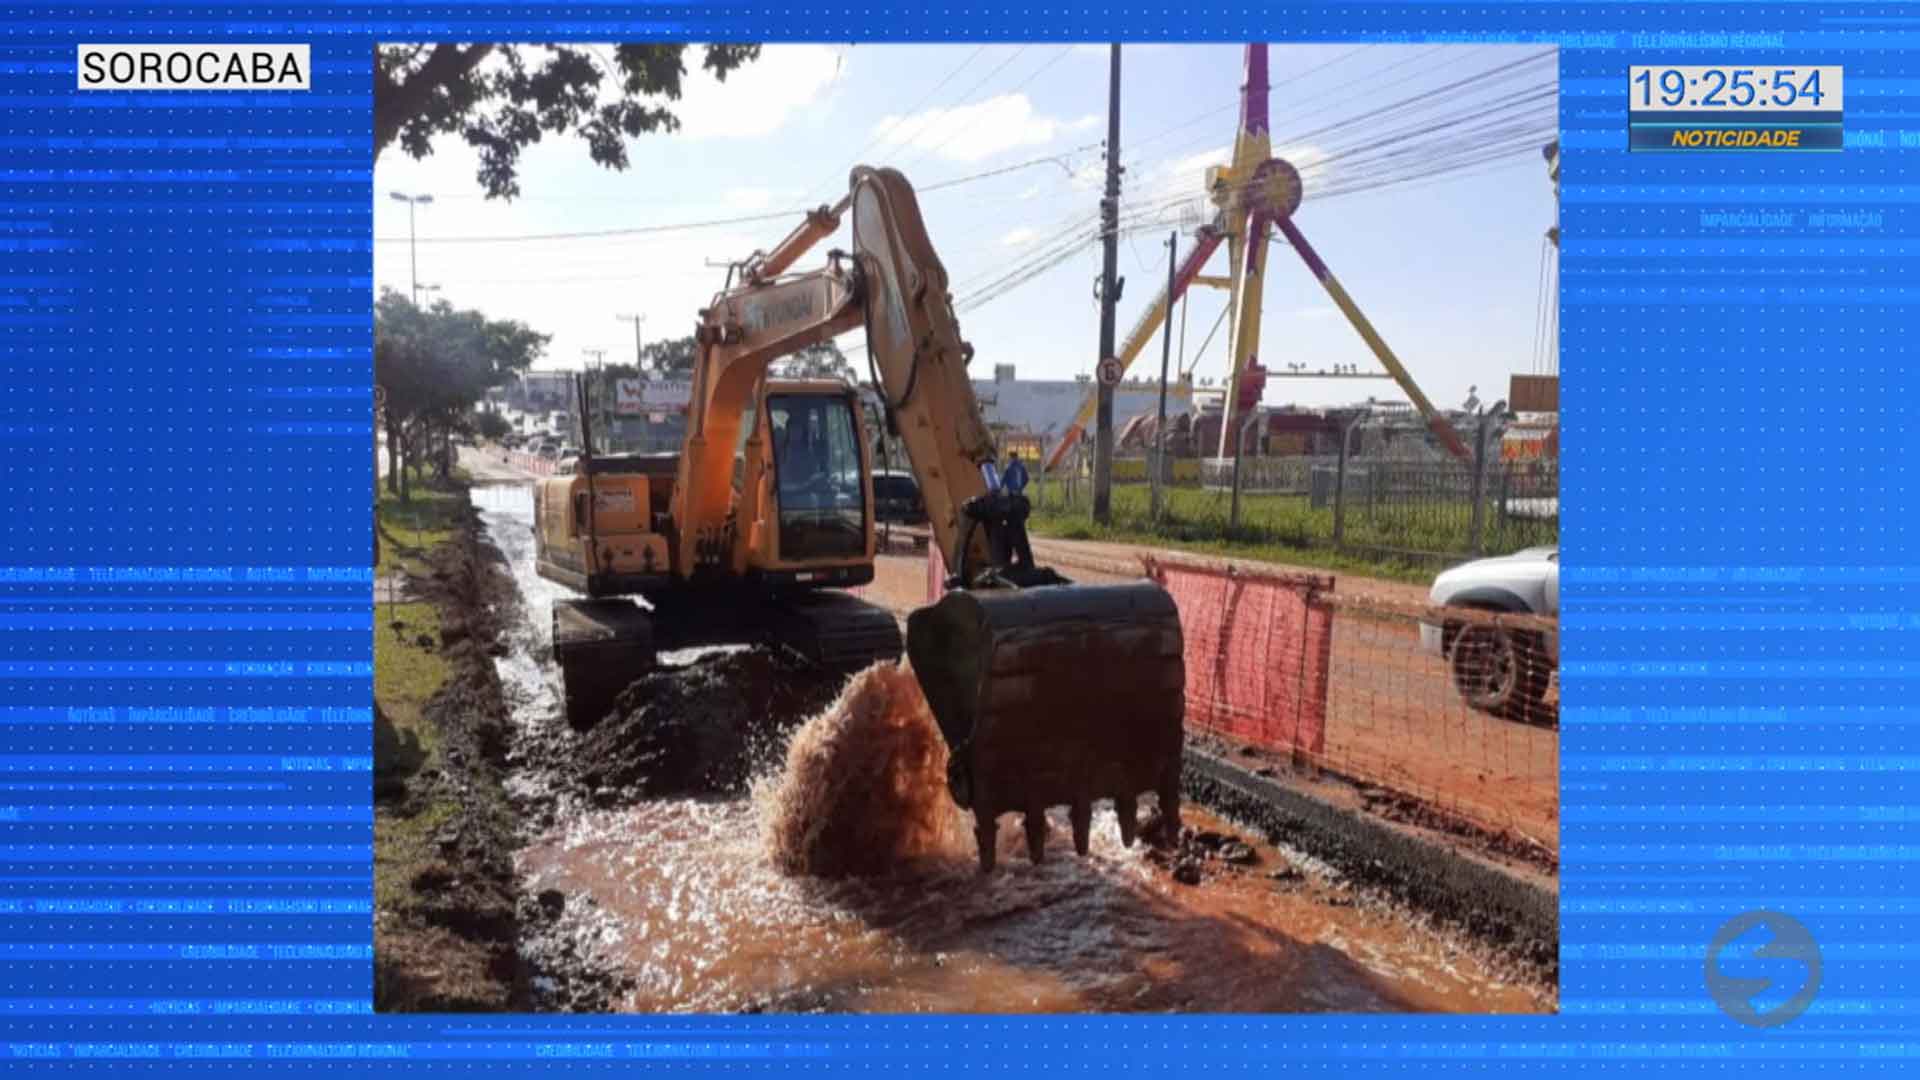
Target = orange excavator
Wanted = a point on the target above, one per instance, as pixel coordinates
(1047, 693)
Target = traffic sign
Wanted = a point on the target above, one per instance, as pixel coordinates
(1110, 371)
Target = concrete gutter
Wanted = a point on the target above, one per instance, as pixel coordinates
(1515, 915)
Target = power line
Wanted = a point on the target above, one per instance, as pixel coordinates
(903, 117)
(1315, 96)
(962, 129)
(684, 226)
(1216, 111)
(942, 113)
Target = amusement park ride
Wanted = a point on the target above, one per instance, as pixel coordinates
(1255, 194)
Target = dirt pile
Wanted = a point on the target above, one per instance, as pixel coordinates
(700, 729)
(865, 784)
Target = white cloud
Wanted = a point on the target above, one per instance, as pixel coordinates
(758, 97)
(1191, 171)
(1088, 122)
(969, 133)
(1016, 237)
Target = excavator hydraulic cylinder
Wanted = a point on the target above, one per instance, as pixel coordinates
(1056, 695)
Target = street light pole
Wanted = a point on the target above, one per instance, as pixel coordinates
(413, 239)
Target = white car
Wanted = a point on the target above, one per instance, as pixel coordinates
(1504, 672)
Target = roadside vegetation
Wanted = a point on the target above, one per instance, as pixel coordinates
(1400, 542)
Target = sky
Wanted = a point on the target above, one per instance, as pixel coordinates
(1447, 265)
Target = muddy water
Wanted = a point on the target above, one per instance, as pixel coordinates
(680, 898)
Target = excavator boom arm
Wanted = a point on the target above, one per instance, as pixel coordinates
(919, 361)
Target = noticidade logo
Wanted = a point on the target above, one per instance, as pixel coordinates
(1788, 939)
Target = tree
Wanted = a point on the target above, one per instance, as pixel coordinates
(434, 364)
(492, 426)
(421, 92)
(670, 359)
(820, 361)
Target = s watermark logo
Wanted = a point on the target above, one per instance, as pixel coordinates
(1789, 939)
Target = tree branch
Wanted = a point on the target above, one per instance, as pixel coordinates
(399, 100)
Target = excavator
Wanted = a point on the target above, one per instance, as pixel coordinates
(1046, 692)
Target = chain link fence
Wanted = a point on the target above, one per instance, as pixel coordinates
(1450, 710)
(1419, 510)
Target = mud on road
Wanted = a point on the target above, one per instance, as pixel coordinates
(628, 868)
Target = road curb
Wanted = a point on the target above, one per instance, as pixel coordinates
(1515, 916)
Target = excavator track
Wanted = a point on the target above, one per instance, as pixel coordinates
(835, 630)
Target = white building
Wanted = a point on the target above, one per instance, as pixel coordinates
(1046, 407)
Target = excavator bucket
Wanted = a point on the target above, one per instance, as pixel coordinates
(1057, 695)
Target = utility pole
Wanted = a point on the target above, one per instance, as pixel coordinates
(413, 240)
(638, 364)
(1166, 354)
(1109, 296)
(586, 394)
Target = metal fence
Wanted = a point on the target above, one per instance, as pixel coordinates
(1425, 510)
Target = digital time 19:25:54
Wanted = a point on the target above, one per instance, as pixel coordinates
(1728, 88)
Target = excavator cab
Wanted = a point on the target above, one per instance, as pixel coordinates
(820, 490)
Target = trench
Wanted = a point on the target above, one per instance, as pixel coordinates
(673, 905)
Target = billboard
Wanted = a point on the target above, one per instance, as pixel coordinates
(634, 397)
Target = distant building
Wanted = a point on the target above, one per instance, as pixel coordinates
(1046, 407)
(541, 391)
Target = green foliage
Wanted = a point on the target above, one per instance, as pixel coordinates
(434, 364)
(823, 360)
(491, 425)
(1403, 539)
(670, 358)
(499, 99)
(437, 359)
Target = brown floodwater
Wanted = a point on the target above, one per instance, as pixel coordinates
(692, 906)
(690, 900)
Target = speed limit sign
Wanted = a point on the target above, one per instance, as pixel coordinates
(1110, 371)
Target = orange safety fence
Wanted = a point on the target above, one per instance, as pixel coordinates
(1257, 650)
(1282, 664)
(532, 463)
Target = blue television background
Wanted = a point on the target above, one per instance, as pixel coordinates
(185, 287)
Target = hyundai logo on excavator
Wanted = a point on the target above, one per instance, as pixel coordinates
(767, 313)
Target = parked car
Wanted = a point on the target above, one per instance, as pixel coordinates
(1500, 671)
(896, 498)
